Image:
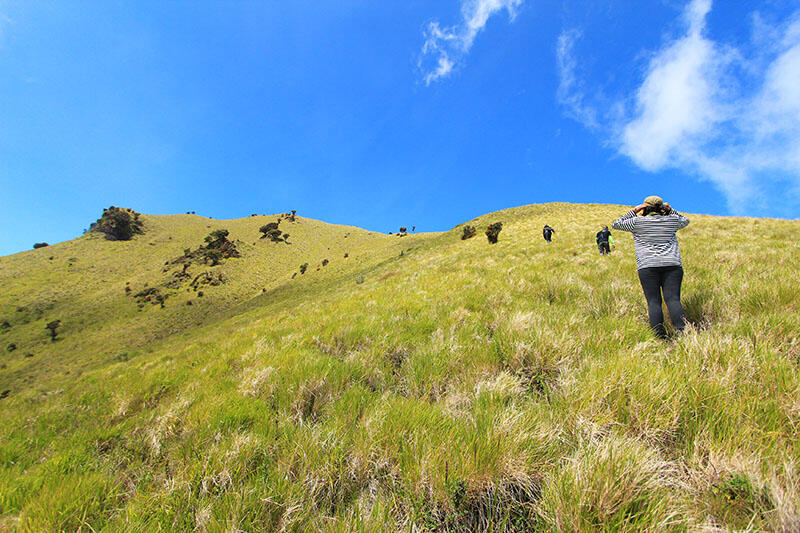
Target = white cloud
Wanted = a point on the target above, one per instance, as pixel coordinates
(570, 90)
(444, 48)
(677, 102)
(704, 108)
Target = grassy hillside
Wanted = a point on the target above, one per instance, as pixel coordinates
(423, 383)
(83, 284)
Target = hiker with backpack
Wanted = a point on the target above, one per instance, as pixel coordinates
(604, 241)
(547, 233)
(658, 259)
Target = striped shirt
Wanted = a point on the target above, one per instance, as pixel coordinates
(654, 238)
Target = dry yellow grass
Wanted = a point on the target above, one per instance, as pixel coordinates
(459, 386)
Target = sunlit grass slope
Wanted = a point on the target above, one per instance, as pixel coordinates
(82, 283)
(459, 386)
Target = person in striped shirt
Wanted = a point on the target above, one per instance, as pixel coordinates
(658, 258)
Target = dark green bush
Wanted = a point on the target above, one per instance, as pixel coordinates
(216, 238)
(218, 247)
(150, 295)
(303, 268)
(267, 228)
(38, 245)
(468, 232)
(493, 231)
(214, 256)
(118, 224)
(52, 327)
(270, 231)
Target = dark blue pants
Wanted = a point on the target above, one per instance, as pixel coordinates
(656, 280)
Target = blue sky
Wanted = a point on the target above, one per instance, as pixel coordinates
(392, 113)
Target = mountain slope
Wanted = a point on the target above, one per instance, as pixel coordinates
(83, 284)
(458, 386)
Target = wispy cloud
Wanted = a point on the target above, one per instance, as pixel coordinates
(445, 48)
(676, 105)
(571, 93)
(708, 110)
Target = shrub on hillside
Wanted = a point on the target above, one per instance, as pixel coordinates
(177, 280)
(218, 247)
(288, 216)
(270, 231)
(52, 327)
(493, 231)
(303, 268)
(150, 295)
(214, 256)
(118, 224)
(267, 228)
(38, 245)
(217, 238)
(207, 278)
(468, 232)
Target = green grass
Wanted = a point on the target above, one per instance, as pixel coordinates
(459, 386)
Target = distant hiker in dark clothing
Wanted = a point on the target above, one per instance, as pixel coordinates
(547, 232)
(658, 258)
(603, 241)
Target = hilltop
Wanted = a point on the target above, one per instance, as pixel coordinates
(418, 382)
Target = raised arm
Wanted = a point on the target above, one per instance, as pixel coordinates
(626, 221)
(682, 220)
